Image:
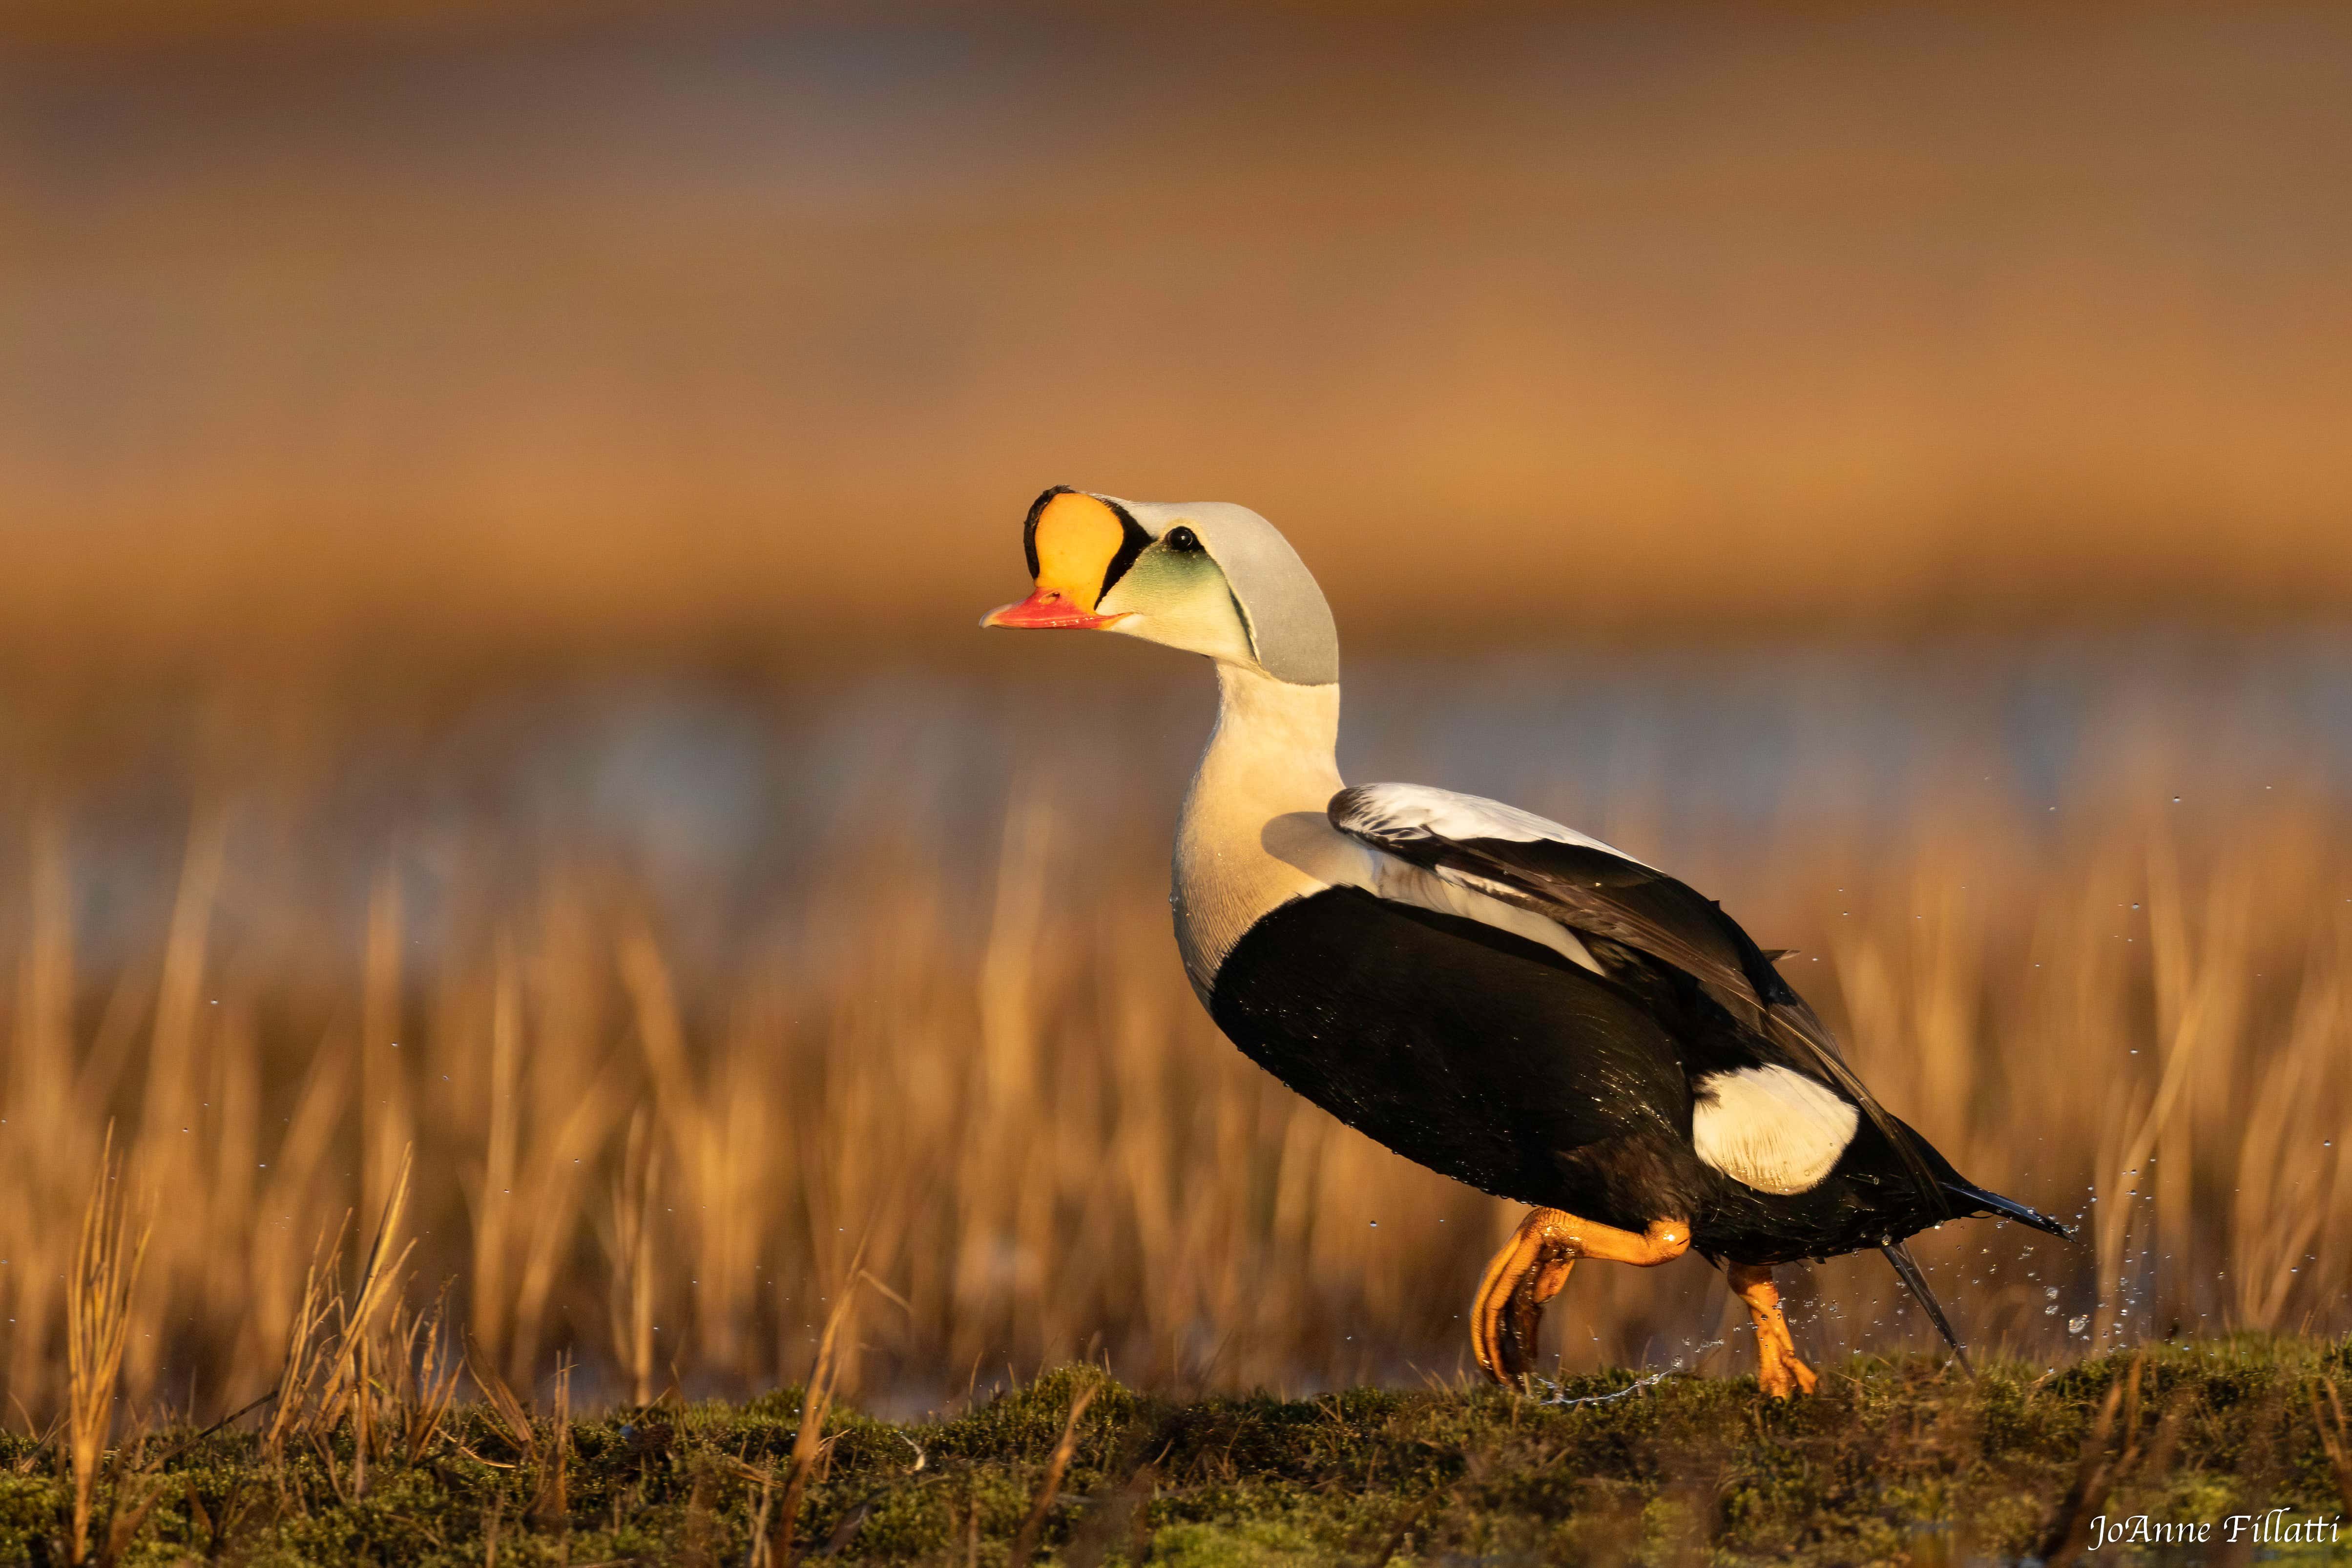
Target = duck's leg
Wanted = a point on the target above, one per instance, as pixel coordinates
(1534, 1264)
(1777, 1370)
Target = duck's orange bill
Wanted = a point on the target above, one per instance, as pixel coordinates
(1046, 610)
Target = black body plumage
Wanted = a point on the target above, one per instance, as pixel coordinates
(1500, 1062)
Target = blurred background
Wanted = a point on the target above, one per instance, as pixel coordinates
(496, 502)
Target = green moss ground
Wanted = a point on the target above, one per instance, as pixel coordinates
(1890, 1463)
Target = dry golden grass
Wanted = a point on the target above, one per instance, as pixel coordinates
(662, 1155)
(106, 1259)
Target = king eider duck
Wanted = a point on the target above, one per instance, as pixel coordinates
(1490, 994)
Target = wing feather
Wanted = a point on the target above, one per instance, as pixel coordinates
(1599, 891)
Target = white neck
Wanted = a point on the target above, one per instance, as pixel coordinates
(1273, 743)
(1256, 833)
(1255, 811)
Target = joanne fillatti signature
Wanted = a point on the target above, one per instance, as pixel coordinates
(2278, 1527)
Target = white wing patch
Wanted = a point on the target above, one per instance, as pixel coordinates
(1406, 883)
(1770, 1128)
(1417, 811)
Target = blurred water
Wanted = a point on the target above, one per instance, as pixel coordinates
(728, 798)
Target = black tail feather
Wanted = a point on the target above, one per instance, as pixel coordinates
(1979, 1201)
(2007, 1208)
(1907, 1271)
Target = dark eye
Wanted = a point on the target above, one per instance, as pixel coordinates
(1183, 540)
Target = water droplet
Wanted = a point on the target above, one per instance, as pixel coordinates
(2078, 1325)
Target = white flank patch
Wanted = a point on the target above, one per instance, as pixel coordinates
(1417, 811)
(1770, 1128)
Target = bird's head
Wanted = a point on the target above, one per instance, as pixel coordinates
(1209, 577)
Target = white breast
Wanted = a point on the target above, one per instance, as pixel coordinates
(1770, 1128)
